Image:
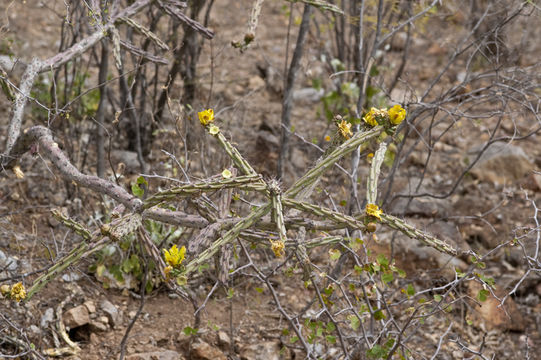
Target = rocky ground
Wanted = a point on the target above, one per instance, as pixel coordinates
(493, 203)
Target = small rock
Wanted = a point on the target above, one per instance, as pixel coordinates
(203, 351)
(532, 182)
(308, 95)
(128, 158)
(501, 163)
(261, 351)
(51, 220)
(15, 196)
(298, 158)
(7, 262)
(398, 42)
(449, 233)
(112, 312)
(156, 355)
(436, 50)
(94, 339)
(78, 316)
(425, 208)
(34, 330)
(90, 306)
(58, 198)
(255, 83)
(492, 314)
(70, 277)
(47, 318)
(223, 339)
(98, 326)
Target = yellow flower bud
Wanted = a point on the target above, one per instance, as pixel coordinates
(278, 247)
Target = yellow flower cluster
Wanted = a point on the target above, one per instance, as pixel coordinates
(394, 115)
(373, 210)
(206, 117)
(278, 247)
(174, 256)
(345, 129)
(18, 292)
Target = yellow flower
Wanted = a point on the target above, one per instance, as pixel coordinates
(18, 292)
(370, 117)
(345, 129)
(278, 247)
(396, 114)
(213, 130)
(206, 116)
(174, 256)
(373, 210)
(369, 157)
(327, 138)
(374, 116)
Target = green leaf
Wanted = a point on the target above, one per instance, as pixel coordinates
(316, 83)
(481, 265)
(389, 343)
(330, 339)
(371, 91)
(330, 327)
(410, 290)
(188, 331)
(382, 260)
(148, 287)
(203, 267)
(259, 290)
(230, 293)
(137, 191)
(379, 315)
(141, 180)
(377, 352)
(387, 278)
(437, 298)
(482, 295)
(354, 322)
(294, 339)
(334, 254)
